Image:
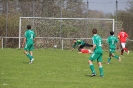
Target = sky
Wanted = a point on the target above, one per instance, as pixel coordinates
(107, 6)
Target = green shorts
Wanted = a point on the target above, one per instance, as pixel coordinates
(29, 47)
(111, 50)
(95, 56)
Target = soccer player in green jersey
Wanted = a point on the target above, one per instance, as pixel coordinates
(96, 53)
(81, 44)
(112, 41)
(28, 43)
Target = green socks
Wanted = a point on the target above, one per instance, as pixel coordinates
(92, 69)
(101, 71)
(109, 60)
(29, 56)
(116, 57)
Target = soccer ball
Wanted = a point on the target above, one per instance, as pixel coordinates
(55, 46)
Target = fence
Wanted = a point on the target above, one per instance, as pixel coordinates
(55, 43)
(11, 10)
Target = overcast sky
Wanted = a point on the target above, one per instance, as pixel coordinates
(107, 6)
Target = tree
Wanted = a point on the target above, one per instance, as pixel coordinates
(130, 4)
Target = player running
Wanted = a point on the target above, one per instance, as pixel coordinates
(123, 36)
(28, 43)
(97, 53)
(111, 41)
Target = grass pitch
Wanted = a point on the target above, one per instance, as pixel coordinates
(55, 68)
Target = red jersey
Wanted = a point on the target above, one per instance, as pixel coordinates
(123, 37)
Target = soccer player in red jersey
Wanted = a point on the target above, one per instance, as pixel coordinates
(123, 36)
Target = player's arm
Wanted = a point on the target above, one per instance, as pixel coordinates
(94, 45)
(118, 36)
(107, 41)
(127, 36)
(34, 37)
(24, 41)
(93, 48)
(117, 40)
(74, 45)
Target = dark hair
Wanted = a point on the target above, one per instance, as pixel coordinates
(28, 27)
(111, 33)
(122, 29)
(94, 31)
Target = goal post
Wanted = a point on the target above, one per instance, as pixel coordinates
(64, 28)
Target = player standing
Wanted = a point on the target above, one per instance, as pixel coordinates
(97, 53)
(81, 44)
(28, 43)
(123, 39)
(111, 41)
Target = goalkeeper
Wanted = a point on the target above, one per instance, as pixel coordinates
(81, 44)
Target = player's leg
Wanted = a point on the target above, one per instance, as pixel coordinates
(109, 58)
(92, 68)
(31, 53)
(126, 49)
(31, 49)
(92, 57)
(80, 47)
(99, 61)
(112, 51)
(110, 54)
(115, 56)
(26, 48)
(122, 46)
(88, 45)
(32, 59)
(27, 54)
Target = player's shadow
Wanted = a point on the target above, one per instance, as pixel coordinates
(24, 62)
(88, 75)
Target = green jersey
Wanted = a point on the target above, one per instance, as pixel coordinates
(29, 35)
(112, 40)
(78, 42)
(97, 40)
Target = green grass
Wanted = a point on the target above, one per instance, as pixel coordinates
(62, 69)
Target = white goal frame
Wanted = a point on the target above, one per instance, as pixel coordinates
(20, 19)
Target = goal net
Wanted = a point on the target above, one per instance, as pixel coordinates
(59, 32)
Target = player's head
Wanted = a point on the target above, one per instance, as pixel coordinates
(122, 29)
(94, 31)
(28, 27)
(111, 33)
(74, 40)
